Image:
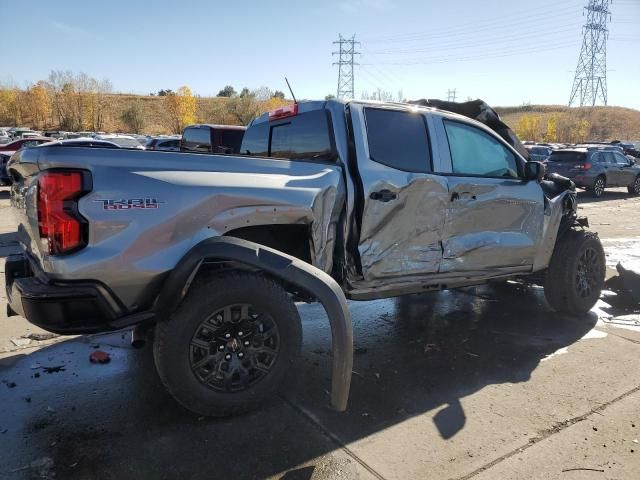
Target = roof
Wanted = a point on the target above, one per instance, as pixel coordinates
(220, 127)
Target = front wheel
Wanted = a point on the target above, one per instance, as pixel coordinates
(576, 271)
(634, 188)
(230, 345)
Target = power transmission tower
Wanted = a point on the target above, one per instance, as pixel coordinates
(590, 82)
(451, 95)
(345, 63)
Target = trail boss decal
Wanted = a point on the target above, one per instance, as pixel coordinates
(130, 203)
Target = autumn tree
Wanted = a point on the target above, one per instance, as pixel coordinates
(528, 128)
(9, 106)
(38, 105)
(133, 117)
(551, 135)
(181, 109)
(580, 131)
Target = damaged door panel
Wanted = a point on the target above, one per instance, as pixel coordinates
(403, 204)
(494, 217)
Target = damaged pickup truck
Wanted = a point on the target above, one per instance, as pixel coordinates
(326, 200)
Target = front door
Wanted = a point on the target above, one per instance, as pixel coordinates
(402, 204)
(494, 216)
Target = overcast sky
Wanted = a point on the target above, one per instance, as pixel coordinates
(523, 52)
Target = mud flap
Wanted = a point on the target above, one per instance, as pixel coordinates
(304, 276)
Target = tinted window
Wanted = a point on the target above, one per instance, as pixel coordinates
(609, 157)
(196, 139)
(475, 152)
(305, 136)
(256, 140)
(232, 139)
(398, 139)
(567, 157)
(621, 159)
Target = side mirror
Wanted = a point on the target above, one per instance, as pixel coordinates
(534, 171)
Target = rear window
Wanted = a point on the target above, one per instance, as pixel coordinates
(304, 137)
(568, 157)
(398, 139)
(123, 142)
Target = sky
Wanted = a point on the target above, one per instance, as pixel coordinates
(507, 53)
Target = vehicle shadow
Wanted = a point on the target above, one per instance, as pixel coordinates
(617, 194)
(416, 355)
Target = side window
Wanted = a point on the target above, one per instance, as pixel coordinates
(609, 157)
(305, 136)
(398, 139)
(621, 159)
(475, 152)
(256, 140)
(232, 139)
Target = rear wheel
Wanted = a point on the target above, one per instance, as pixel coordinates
(230, 345)
(598, 187)
(634, 188)
(576, 271)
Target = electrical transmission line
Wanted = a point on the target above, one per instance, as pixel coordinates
(451, 95)
(346, 54)
(590, 82)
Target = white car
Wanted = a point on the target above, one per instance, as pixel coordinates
(124, 141)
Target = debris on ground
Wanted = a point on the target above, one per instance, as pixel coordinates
(20, 341)
(99, 357)
(40, 337)
(626, 285)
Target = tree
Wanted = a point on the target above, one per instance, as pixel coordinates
(164, 93)
(181, 109)
(133, 117)
(278, 94)
(227, 91)
(552, 130)
(9, 106)
(580, 131)
(333, 97)
(245, 93)
(528, 128)
(38, 104)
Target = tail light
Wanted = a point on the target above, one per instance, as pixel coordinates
(583, 166)
(284, 112)
(62, 229)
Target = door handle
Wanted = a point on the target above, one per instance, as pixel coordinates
(383, 195)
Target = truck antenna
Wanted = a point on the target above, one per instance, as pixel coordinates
(291, 90)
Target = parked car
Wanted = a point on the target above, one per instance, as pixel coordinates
(166, 144)
(329, 198)
(538, 153)
(595, 169)
(11, 147)
(124, 141)
(212, 139)
(54, 134)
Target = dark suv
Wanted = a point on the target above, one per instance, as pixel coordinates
(594, 169)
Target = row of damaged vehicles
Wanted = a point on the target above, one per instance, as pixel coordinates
(323, 201)
(593, 166)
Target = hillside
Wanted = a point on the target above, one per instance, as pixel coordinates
(604, 123)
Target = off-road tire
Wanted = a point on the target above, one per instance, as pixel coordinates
(564, 286)
(599, 184)
(173, 347)
(634, 188)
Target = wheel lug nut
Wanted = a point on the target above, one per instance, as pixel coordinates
(227, 335)
(221, 347)
(227, 356)
(240, 355)
(246, 343)
(240, 333)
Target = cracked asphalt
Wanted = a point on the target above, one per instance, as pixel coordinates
(479, 383)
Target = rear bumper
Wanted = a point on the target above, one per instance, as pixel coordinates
(70, 308)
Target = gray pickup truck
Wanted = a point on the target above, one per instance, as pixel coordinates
(326, 200)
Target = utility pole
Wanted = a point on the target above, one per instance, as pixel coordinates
(590, 82)
(451, 95)
(346, 54)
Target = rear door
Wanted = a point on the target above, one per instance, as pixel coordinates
(402, 204)
(494, 217)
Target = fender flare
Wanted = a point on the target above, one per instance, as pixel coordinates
(282, 266)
